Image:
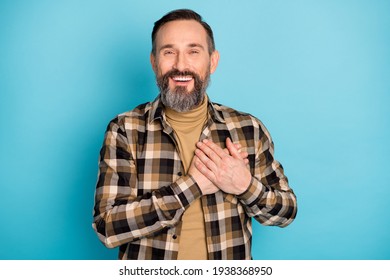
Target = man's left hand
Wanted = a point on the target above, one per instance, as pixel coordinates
(228, 171)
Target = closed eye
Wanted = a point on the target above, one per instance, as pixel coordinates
(169, 52)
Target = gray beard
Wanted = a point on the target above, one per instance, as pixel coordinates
(179, 99)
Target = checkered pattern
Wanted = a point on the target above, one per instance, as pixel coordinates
(142, 191)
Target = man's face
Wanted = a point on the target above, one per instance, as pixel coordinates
(183, 64)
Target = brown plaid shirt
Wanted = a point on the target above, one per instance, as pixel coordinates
(142, 191)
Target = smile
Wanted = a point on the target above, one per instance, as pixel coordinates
(182, 78)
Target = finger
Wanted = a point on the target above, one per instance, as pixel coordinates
(202, 168)
(232, 149)
(214, 147)
(244, 155)
(214, 152)
(206, 160)
(238, 147)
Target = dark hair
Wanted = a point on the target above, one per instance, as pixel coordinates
(183, 14)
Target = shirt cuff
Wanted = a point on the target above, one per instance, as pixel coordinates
(252, 195)
(186, 189)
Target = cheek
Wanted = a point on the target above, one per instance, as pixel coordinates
(203, 66)
(164, 65)
(204, 71)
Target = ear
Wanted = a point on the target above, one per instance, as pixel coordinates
(153, 62)
(214, 61)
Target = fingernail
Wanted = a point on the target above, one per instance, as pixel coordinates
(205, 141)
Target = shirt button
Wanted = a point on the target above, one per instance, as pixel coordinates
(174, 236)
(179, 173)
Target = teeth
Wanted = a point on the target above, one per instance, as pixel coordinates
(182, 79)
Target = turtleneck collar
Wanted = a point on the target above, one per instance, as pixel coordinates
(190, 118)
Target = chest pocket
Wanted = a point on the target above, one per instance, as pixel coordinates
(158, 163)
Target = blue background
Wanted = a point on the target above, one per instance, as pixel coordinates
(315, 72)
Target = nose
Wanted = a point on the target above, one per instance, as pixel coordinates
(181, 62)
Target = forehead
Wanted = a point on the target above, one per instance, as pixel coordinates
(180, 32)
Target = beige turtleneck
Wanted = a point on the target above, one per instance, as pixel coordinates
(188, 127)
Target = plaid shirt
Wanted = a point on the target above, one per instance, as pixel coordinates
(142, 191)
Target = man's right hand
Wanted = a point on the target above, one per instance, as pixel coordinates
(205, 185)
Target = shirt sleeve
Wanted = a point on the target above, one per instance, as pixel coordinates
(269, 199)
(120, 215)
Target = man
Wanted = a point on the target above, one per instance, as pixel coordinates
(172, 185)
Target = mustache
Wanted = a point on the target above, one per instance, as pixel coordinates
(163, 80)
(176, 72)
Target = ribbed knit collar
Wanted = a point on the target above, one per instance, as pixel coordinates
(190, 118)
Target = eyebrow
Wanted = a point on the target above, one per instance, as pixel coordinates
(195, 45)
(171, 46)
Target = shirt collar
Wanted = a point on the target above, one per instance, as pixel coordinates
(157, 111)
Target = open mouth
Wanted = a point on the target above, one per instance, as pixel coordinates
(181, 79)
